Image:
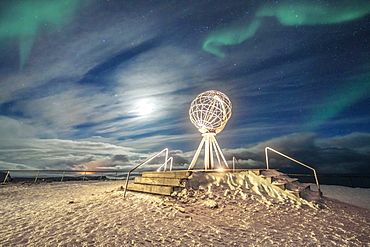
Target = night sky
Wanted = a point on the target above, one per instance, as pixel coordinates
(105, 84)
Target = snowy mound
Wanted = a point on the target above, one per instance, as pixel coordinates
(243, 187)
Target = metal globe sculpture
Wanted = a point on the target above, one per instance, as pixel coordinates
(209, 112)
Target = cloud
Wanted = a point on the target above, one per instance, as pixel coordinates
(79, 46)
(336, 155)
(10, 128)
(120, 158)
(59, 154)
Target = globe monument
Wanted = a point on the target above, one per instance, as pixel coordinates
(209, 112)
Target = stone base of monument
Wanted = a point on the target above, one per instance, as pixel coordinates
(263, 181)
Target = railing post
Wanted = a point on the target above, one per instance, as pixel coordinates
(6, 177)
(37, 176)
(317, 182)
(296, 161)
(143, 163)
(61, 180)
(83, 178)
(166, 159)
(171, 164)
(267, 158)
(350, 178)
(235, 161)
(126, 184)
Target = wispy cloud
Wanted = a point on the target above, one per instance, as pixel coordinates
(341, 154)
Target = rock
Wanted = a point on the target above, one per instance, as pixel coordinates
(181, 209)
(168, 203)
(210, 204)
(227, 192)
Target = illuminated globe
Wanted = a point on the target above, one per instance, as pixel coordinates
(210, 111)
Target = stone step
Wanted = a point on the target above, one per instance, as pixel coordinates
(257, 171)
(295, 193)
(167, 174)
(176, 182)
(296, 186)
(268, 179)
(297, 190)
(280, 185)
(153, 189)
(285, 179)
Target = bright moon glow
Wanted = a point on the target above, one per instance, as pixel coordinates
(144, 108)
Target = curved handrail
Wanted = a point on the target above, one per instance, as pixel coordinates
(286, 156)
(143, 163)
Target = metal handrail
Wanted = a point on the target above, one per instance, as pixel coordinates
(165, 165)
(234, 159)
(57, 171)
(6, 177)
(42, 170)
(286, 156)
(143, 163)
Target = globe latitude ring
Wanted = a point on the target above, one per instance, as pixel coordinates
(210, 111)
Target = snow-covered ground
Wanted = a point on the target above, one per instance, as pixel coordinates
(94, 213)
(356, 196)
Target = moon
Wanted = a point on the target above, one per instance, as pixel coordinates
(144, 107)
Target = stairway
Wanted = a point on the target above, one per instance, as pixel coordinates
(166, 182)
(162, 183)
(284, 182)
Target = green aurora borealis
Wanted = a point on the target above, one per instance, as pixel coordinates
(339, 100)
(294, 13)
(297, 13)
(232, 36)
(289, 13)
(21, 21)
